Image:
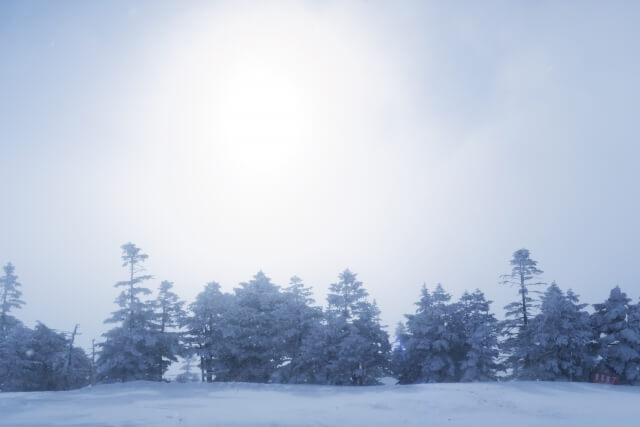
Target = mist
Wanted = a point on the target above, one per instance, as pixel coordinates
(412, 143)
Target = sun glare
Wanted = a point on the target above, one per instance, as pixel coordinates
(249, 114)
(248, 110)
(261, 113)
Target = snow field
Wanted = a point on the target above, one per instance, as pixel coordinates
(519, 404)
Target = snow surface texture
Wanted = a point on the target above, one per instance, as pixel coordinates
(238, 404)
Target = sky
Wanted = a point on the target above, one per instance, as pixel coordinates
(411, 142)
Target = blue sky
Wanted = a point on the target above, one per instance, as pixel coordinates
(410, 141)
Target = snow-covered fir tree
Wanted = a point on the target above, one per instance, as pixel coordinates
(616, 322)
(15, 364)
(255, 331)
(401, 365)
(169, 316)
(128, 350)
(560, 339)
(310, 364)
(41, 359)
(480, 335)
(357, 348)
(10, 295)
(54, 363)
(373, 344)
(301, 321)
(633, 320)
(434, 339)
(206, 330)
(524, 275)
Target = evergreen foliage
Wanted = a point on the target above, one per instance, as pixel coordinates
(480, 331)
(9, 298)
(357, 348)
(206, 331)
(128, 350)
(168, 317)
(560, 339)
(263, 333)
(432, 341)
(517, 339)
(616, 322)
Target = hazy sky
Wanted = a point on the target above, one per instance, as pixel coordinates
(408, 141)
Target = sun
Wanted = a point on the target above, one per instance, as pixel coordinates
(247, 109)
(260, 112)
(258, 107)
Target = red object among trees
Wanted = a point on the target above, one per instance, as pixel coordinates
(601, 378)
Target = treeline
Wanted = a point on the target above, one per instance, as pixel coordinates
(38, 358)
(261, 332)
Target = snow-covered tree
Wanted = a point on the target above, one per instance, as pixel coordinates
(206, 331)
(560, 339)
(524, 274)
(128, 350)
(357, 348)
(616, 322)
(434, 339)
(54, 363)
(133, 311)
(251, 335)
(15, 364)
(41, 359)
(300, 322)
(446, 341)
(256, 331)
(347, 296)
(9, 298)
(169, 316)
(373, 342)
(480, 335)
(633, 320)
(401, 365)
(310, 364)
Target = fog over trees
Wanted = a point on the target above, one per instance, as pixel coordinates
(265, 333)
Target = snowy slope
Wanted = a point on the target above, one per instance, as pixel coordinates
(497, 404)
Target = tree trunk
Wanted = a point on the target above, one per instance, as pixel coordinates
(522, 291)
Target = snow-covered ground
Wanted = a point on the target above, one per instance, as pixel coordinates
(234, 404)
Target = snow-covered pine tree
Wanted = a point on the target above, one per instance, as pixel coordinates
(169, 316)
(15, 365)
(434, 338)
(41, 359)
(633, 320)
(347, 295)
(15, 338)
(301, 322)
(480, 334)
(206, 328)
(128, 350)
(615, 322)
(9, 298)
(560, 336)
(357, 348)
(50, 366)
(256, 331)
(375, 349)
(524, 274)
(401, 365)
